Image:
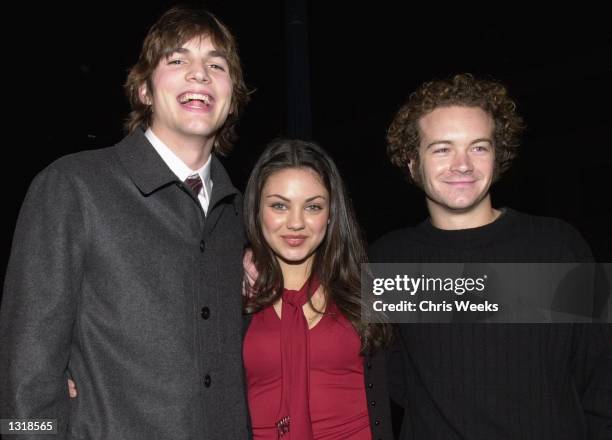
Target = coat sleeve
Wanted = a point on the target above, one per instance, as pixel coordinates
(40, 300)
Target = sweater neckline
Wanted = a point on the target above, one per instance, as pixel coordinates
(471, 237)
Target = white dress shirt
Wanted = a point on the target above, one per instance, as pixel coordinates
(181, 170)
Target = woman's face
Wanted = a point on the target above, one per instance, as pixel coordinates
(294, 210)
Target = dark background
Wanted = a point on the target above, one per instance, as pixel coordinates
(67, 65)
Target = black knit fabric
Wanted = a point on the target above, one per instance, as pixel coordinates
(499, 381)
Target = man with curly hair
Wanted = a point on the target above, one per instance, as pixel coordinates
(453, 138)
(126, 264)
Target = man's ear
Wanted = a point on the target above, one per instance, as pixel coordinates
(143, 94)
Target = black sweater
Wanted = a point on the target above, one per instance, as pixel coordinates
(499, 381)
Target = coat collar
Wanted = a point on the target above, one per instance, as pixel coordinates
(149, 172)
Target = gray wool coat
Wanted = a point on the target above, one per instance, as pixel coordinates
(117, 279)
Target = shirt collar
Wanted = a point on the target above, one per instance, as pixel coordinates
(177, 166)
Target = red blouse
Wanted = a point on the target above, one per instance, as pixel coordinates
(338, 407)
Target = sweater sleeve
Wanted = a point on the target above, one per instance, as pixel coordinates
(396, 371)
(593, 346)
(593, 376)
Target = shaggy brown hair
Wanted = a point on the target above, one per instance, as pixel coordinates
(174, 28)
(461, 90)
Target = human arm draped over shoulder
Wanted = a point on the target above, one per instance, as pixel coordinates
(40, 300)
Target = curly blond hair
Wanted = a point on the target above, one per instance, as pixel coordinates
(460, 90)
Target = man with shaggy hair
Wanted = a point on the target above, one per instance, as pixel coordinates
(126, 264)
(454, 138)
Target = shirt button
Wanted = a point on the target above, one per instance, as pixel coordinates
(202, 245)
(207, 381)
(369, 366)
(370, 385)
(205, 313)
(373, 403)
(377, 422)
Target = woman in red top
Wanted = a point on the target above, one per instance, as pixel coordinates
(304, 348)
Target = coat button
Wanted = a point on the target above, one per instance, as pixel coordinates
(373, 403)
(369, 366)
(207, 381)
(202, 246)
(370, 385)
(377, 422)
(205, 313)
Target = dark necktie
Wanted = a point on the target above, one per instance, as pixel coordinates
(195, 183)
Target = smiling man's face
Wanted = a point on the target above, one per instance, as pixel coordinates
(456, 159)
(192, 94)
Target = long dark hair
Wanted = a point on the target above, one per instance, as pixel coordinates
(338, 257)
